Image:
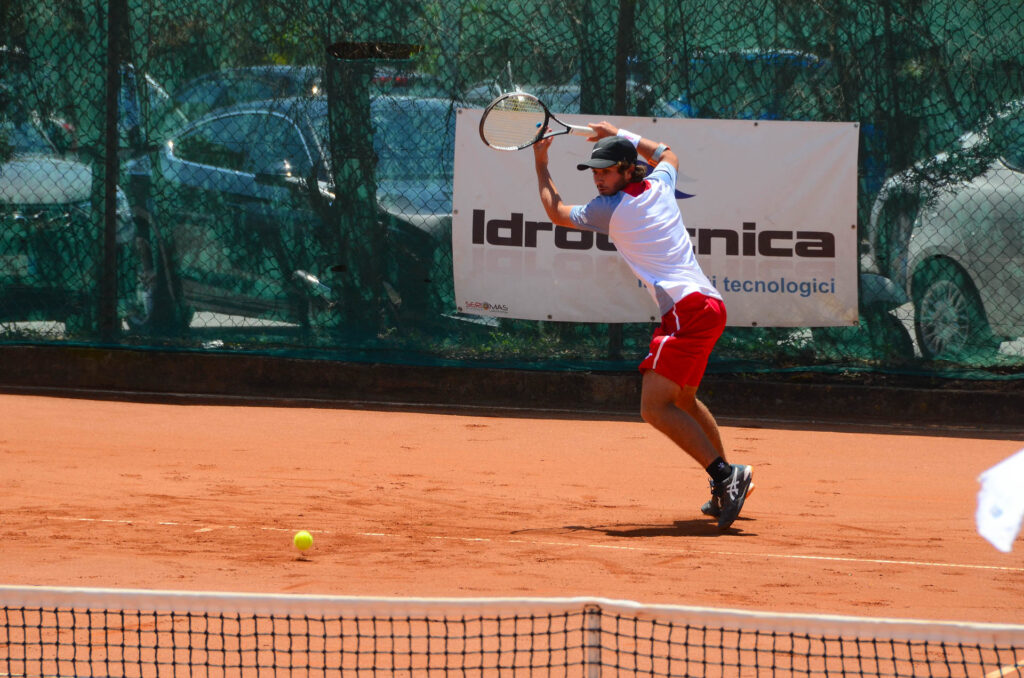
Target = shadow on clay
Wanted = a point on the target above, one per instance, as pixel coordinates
(697, 527)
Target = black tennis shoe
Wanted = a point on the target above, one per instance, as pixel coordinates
(713, 507)
(731, 493)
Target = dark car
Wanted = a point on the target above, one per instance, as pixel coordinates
(246, 196)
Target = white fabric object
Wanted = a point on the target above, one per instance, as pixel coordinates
(1001, 502)
(632, 137)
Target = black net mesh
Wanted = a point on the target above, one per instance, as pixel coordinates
(199, 174)
(482, 638)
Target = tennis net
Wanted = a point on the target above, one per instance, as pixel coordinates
(113, 632)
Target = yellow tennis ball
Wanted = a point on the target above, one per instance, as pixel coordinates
(303, 540)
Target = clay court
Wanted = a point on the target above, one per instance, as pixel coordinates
(867, 522)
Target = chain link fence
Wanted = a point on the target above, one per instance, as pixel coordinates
(204, 175)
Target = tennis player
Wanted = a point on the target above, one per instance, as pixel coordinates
(640, 215)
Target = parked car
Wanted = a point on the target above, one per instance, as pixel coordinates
(50, 247)
(951, 231)
(244, 200)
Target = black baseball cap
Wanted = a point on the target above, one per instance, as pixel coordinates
(610, 151)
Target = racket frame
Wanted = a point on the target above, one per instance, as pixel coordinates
(543, 129)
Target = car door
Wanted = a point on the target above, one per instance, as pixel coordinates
(998, 254)
(226, 225)
(203, 178)
(279, 217)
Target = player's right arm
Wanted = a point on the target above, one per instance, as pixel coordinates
(557, 210)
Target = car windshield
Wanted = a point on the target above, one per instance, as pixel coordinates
(414, 139)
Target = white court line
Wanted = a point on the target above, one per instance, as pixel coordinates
(201, 527)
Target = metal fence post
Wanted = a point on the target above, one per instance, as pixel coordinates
(355, 217)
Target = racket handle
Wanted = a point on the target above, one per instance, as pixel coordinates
(580, 131)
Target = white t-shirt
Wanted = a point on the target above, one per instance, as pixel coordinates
(644, 223)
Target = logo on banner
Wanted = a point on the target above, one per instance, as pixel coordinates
(516, 231)
(470, 306)
(748, 241)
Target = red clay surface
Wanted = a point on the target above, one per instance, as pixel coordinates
(196, 497)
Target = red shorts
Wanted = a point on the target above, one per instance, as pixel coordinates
(682, 343)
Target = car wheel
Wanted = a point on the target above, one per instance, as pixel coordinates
(949, 320)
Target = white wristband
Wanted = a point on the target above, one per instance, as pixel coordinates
(633, 138)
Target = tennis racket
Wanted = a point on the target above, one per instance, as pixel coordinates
(516, 120)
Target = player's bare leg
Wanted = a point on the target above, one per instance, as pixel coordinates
(676, 412)
(687, 401)
(659, 407)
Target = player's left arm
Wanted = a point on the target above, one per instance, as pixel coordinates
(655, 152)
(557, 210)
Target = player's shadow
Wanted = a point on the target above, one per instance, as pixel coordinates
(680, 528)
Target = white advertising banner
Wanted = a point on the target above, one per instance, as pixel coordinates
(771, 208)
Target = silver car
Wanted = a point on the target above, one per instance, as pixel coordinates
(49, 245)
(951, 231)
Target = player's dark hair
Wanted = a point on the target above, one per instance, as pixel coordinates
(634, 171)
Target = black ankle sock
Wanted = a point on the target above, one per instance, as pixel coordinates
(719, 470)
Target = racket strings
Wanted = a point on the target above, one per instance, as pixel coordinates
(513, 122)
